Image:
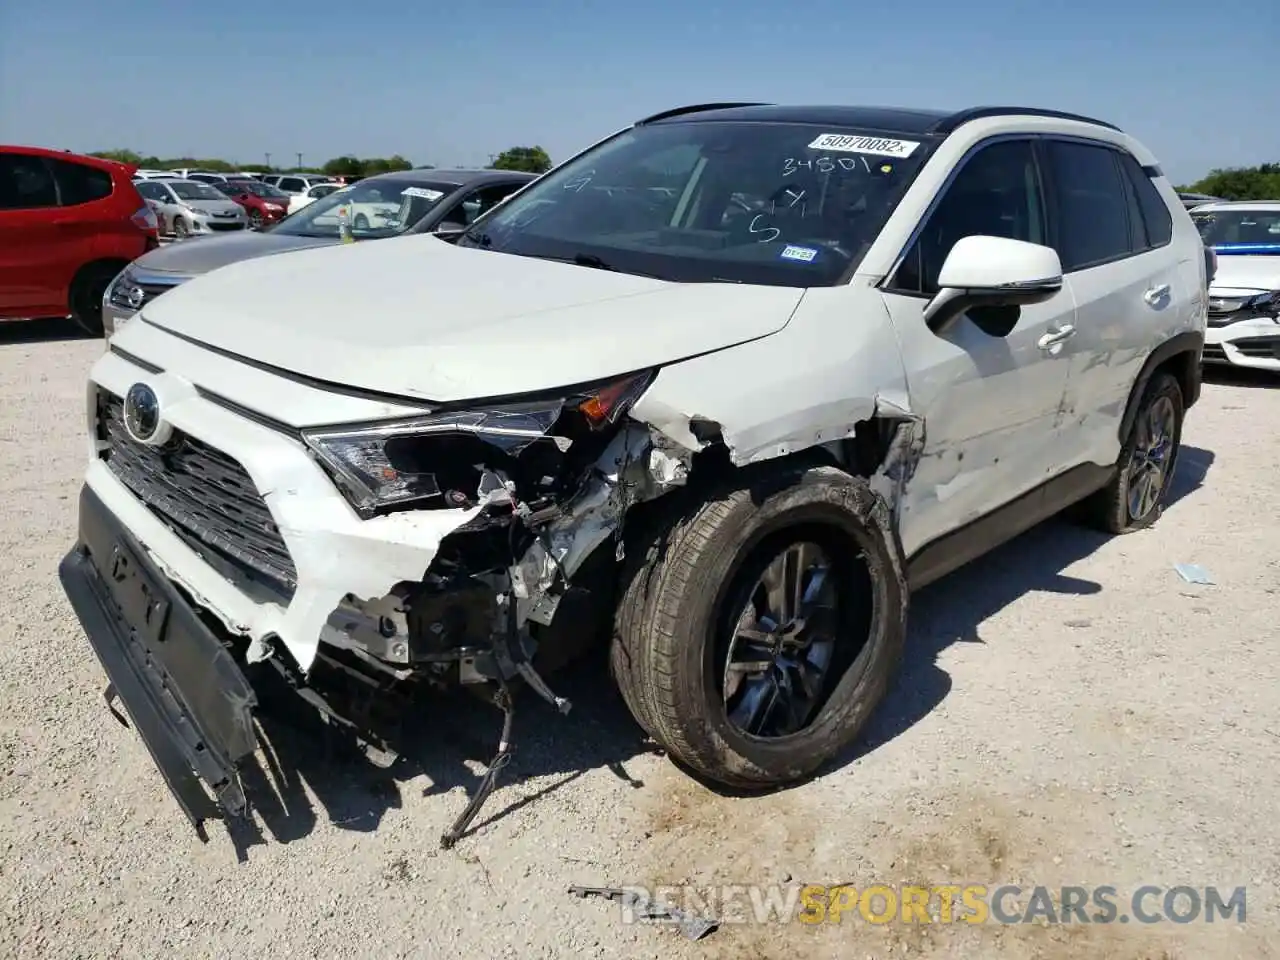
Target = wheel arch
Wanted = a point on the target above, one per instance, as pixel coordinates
(1178, 356)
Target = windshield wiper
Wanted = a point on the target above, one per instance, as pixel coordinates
(591, 260)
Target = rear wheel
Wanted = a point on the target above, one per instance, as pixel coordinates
(759, 632)
(1144, 472)
(87, 291)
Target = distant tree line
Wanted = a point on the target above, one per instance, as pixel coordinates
(1240, 183)
(532, 159)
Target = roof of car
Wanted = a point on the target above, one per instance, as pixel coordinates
(1240, 205)
(898, 119)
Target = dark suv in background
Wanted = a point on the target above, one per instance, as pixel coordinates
(68, 225)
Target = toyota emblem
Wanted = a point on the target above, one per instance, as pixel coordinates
(136, 297)
(142, 413)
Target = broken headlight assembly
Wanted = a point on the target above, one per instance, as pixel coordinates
(449, 458)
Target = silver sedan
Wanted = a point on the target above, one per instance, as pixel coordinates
(188, 207)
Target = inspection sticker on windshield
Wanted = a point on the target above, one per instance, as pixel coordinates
(874, 146)
(803, 254)
(421, 192)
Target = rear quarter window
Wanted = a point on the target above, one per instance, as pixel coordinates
(79, 184)
(1155, 217)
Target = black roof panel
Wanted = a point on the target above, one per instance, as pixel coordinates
(871, 118)
(897, 119)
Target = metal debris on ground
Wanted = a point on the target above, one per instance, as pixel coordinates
(1194, 573)
(644, 908)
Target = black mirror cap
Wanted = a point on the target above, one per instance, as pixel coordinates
(950, 305)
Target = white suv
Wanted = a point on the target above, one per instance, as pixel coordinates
(721, 390)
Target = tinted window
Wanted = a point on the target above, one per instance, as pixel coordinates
(292, 183)
(995, 194)
(78, 183)
(1157, 223)
(150, 191)
(786, 204)
(1092, 206)
(25, 183)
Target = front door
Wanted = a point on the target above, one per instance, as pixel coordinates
(990, 390)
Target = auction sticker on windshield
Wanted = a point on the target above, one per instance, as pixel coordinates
(421, 192)
(874, 146)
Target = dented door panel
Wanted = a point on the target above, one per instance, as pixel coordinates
(991, 409)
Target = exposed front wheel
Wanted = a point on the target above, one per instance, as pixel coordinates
(255, 220)
(180, 228)
(1144, 473)
(761, 629)
(361, 222)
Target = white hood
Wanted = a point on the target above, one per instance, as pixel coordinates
(420, 318)
(1241, 275)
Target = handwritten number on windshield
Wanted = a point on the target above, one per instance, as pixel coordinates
(823, 164)
(770, 233)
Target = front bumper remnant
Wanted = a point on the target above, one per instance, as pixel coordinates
(180, 685)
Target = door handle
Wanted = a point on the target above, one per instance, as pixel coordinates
(1156, 294)
(1051, 340)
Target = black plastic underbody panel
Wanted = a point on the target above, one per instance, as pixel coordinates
(186, 696)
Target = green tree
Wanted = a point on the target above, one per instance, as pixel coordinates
(1241, 183)
(397, 162)
(347, 166)
(529, 159)
(120, 156)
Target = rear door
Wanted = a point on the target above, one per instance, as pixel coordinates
(1113, 234)
(29, 238)
(90, 222)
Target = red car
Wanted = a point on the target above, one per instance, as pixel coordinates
(264, 203)
(68, 225)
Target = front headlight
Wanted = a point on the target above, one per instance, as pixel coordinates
(199, 211)
(438, 460)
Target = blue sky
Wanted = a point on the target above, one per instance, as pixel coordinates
(451, 84)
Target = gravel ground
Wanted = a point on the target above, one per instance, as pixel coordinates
(1071, 712)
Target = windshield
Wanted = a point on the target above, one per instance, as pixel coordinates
(374, 208)
(785, 204)
(1243, 230)
(195, 191)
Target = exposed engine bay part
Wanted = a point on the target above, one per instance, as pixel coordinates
(502, 573)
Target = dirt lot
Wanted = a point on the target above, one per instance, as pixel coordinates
(1071, 713)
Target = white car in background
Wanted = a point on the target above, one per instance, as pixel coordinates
(1244, 297)
(313, 193)
(296, 184)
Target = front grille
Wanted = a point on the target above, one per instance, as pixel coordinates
(204, 496)
(219, 225)
(1213, 354)
(1259, 348)
(120, 293)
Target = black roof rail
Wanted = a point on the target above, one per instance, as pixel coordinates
(951, 123)
(695, 108)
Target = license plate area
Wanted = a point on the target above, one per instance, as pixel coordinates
(139, 598)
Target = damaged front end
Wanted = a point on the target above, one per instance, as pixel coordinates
(546, 485)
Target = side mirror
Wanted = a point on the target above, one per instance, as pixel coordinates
(449, 229)
(992, 272)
